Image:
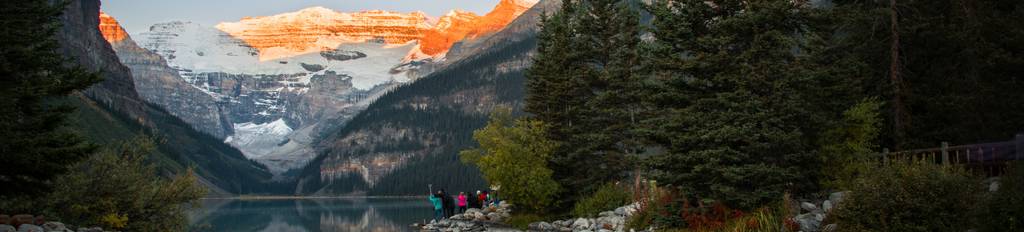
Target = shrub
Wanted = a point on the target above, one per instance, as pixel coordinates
(844, 147)
(522, 221)
(116, 188)
(513, 154)
(909, 196)
(607, 197)
(1004, 210)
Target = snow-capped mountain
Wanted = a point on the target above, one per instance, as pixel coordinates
(277, 81)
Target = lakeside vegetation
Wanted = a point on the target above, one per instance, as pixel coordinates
(736, 108)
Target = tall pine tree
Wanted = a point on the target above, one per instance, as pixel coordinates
(35, 146)
(582, 83)
(735, 91)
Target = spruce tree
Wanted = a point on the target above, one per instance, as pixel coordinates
(739, 124)
(581, 84)
(35, 146)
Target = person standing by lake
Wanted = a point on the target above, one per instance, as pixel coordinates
(474, 200)
(462, 202)
(446, 202)
(435, 199)
(482, 197)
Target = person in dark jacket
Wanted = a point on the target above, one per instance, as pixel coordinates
(474, 201)
(449, 206)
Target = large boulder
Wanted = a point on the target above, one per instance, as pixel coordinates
(478, 216)
(92, 229)
(837, 198)
(809, 207)
(494, 217)
(541, 226)
(55, 226)
(581, 223)
(7, 228)
(30, 228)
(827, 206)
(808, 222)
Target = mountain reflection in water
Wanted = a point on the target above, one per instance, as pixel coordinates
(335, 214)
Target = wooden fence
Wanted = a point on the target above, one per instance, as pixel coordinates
(989, 158)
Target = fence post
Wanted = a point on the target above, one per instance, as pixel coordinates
(945, 153)
(1020, 146)
(885, 156)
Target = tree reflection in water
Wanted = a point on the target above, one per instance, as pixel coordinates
(336, 214)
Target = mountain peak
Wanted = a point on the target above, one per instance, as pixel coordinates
(316, 9)
(522, 3)
(111, 29)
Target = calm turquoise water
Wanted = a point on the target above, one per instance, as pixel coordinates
(358, 214)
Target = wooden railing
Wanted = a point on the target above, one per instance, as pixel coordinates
(986, 157)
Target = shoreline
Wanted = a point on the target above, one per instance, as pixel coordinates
(307, 197)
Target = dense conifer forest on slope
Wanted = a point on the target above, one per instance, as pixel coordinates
(179, 147)
(451, 122)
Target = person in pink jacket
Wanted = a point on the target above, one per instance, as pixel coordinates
(462, 202)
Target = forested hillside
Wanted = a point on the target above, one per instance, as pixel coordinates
(426, 123)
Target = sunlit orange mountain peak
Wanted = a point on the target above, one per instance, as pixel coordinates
(318, 29)
(111, 29)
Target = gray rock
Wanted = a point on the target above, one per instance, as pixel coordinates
(837, 198)
(55, 226)
(621, 211)
(994, 186)
(581, 223)
(827, 206)
(30, 228)
(472, 210)
(494, 217)
(809, 207)
(807, 222)
(606, 214)
(541, 226)
(479, 216)
(7, 228)
(563, 223)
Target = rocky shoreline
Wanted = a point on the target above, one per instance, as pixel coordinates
(493, 219)
(812, 214)
(29, 223)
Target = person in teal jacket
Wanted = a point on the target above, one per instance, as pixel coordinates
(438, 210)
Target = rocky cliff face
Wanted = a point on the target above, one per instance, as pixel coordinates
(81, 39)
(161, 85)
(117, 112)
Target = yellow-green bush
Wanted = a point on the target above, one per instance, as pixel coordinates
(607, 197)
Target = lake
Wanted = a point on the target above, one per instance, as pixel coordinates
(321, 214)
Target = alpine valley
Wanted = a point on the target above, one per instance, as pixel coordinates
(328, 102)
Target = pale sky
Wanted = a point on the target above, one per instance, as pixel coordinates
(137, 15)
